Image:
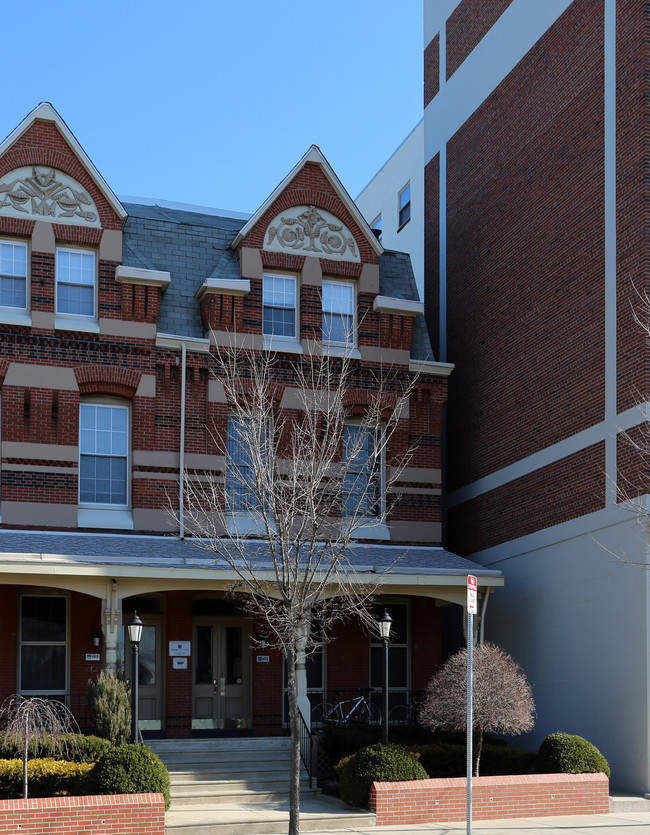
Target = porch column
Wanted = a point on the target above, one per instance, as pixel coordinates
(111, 623)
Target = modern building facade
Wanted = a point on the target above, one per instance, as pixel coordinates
(536, 239)
(110, 315)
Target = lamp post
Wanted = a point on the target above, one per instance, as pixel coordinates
(384, 624)
(134, 627)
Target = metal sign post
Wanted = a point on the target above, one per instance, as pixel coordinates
(471, 611)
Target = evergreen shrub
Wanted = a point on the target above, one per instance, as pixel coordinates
(46, 777)
(390, 763)
(109, 704)
(128, 769)
(562, 753)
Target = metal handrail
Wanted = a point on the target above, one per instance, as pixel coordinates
(306, 745)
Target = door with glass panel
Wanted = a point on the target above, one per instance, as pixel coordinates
(150, 689)
(221, 675)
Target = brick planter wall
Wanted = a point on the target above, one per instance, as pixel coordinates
(518, 796)
(113, 814)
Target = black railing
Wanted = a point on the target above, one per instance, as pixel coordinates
(306, 744)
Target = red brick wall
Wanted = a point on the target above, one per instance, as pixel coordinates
(520, 796)
(467, 25)
(121, 814)
(431, 69)
(561, 491)
(426, 641)
(179, 682)
(525, 254)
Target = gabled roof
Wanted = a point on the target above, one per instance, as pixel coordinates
(313, 155)
(44, 112)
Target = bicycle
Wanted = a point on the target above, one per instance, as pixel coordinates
(406, 714)
(355, 710)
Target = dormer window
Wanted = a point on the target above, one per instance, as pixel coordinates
(338, 312)
(75, 282)
(13, 275)
(279, 304)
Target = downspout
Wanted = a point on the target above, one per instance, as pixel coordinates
(486, 594)
(181, 464)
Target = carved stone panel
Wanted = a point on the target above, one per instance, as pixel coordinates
(44, 193)
(311, 231)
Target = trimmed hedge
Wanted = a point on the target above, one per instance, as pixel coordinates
(128, 769)
(376, 763)
(343, 741)
(69, 747)
(562, 753)
(45, 777)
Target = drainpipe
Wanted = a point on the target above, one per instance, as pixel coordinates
(181, 465)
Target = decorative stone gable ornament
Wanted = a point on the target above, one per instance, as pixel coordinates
(46, 192)
(311, 230)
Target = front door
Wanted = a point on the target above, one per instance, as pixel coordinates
(150, 689)
(221, 661)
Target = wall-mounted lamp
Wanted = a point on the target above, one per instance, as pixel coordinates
(261, 642)
(97, 637)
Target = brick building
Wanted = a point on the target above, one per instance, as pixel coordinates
(536, 240)
(108, 314)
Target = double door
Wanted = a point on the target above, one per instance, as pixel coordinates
(221, 680)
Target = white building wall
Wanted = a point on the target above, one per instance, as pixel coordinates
(381, 196)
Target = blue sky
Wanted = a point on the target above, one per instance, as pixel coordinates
(213, 103)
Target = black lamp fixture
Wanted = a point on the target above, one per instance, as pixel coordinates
(134, 629)
(384, 623)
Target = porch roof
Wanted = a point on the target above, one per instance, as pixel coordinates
(136, 555)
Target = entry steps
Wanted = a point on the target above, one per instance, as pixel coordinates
(241, 786)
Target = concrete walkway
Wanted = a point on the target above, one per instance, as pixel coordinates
(616, 823)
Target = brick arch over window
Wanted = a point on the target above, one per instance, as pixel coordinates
(107, 380)
(242, 393)
(358, 402)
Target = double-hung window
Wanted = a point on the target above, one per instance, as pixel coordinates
(363, 477)
(404, 206)
(279, 306)
(13, 275)
(43, 645)
(338, 312)
(103, 455)
(244, 437)
(75, 282)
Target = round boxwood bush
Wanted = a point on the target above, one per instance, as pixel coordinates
(569, 754)
(390, 763)
(129, 769)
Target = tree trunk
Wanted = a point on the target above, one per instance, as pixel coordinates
(25, 757)
(294, 725)
(479, 748)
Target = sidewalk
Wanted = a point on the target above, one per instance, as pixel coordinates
(616, 823)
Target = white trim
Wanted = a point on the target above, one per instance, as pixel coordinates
(556, 452)
(336, 350)
(405, 307)
(224, 286)
(15, 316)
(371, 530)
(438, 369)
(46, 113)
(175, 343)
(273, 337)
(315, 155)
(80, 325)
(136, 275)
(281, 344)
(119, 519)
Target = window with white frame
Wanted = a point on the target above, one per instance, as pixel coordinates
(75, 282)
(363, 475)
(43, 644)
(243, 435)
(279, 306)
(103, 455)
(404, 206)
(13, 275)
(377, 227)
(338, 312)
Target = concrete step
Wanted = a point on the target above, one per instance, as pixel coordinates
(222, 797)
(272, 784)
(629, 803)
(204, 758)
(317, 814)
(250, 743)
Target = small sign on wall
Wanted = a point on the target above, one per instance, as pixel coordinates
(179, 648)
(263, 659)
(92, 656)
(179, 663)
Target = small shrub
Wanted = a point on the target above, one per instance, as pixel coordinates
(377, 763)
(562, 753)
(128, 769)
(47, 777)
(109, 704)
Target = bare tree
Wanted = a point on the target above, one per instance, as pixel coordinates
(32, 723)
(502, 697)
(300, 482)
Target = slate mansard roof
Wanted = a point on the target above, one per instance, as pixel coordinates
(193, 246)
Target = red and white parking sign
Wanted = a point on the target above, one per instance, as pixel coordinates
(472, 588)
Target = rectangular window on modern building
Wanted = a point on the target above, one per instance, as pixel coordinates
(103, 455)
(338, 312)
(404, 206)
(13, 275)
(376, 227)
(362, 479)
(75, 282)
(279, 306)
